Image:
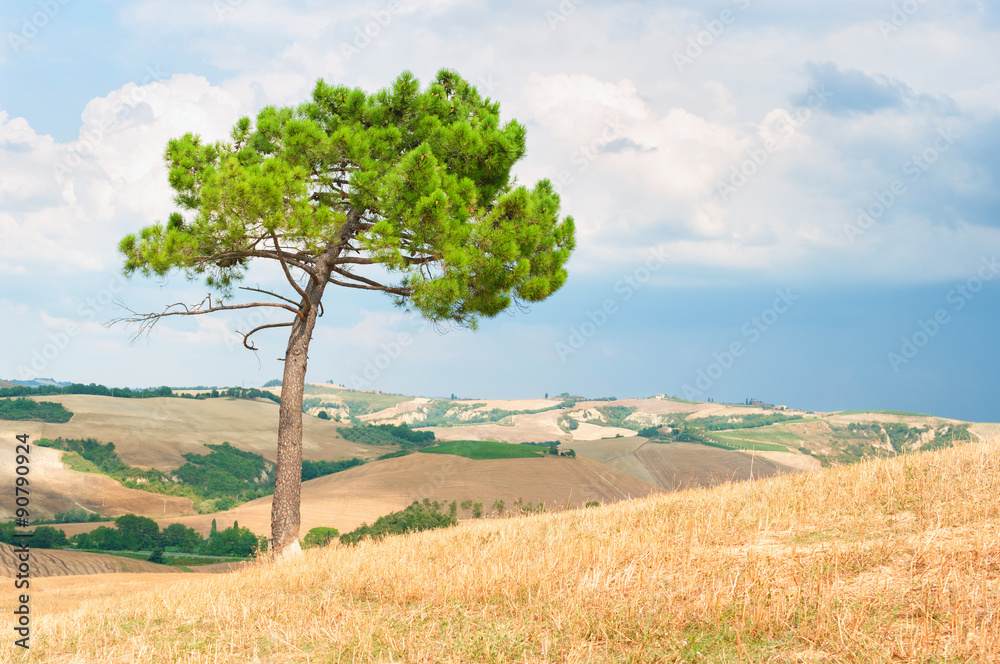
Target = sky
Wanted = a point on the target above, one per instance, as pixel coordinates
(789, 201)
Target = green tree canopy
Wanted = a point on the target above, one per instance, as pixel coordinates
(415, 181)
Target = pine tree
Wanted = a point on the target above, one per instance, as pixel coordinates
(403, 191)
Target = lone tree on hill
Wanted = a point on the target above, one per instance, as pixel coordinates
(403, 191)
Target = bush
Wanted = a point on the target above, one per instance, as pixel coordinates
(319, 536)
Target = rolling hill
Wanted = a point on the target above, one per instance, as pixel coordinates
(156, 432)
(153, 433)
(889, 560)
(347, 499)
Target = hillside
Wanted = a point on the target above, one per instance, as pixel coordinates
(685, 465)
(55, 488)
(347, 499)
(155, 432)
(884, 561)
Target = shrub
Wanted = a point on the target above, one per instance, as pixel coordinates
(319, 536)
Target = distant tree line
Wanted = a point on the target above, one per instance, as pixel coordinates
(139, 533)
(93, 388)
(144, 393)
(77, 515)
(752, 421)
(234, 393)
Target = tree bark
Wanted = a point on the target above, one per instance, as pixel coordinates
(285, 512)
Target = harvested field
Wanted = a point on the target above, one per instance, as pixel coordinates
(675, 466)
(56, 562)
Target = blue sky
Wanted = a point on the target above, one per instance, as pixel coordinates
(793, 201)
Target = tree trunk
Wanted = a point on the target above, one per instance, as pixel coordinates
(285, 512)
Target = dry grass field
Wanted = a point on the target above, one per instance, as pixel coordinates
(881, 562)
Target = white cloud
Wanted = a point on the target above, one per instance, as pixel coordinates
(71, 202)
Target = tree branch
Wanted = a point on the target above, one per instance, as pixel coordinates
(246, 337)
(146, 322)
(378, 287)
(357, 277)
(288, 275)
(280, 297)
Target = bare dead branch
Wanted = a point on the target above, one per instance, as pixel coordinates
(246, 337)
(145, 322)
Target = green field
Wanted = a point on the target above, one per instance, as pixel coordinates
(772, 435)
(764, 439)
(364, 403)
(484, 449)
